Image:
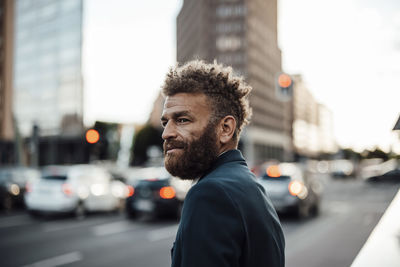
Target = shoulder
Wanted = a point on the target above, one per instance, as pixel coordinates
(208, 204)
(209, 196)
(207, 189)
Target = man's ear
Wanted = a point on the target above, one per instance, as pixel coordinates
(227, 128)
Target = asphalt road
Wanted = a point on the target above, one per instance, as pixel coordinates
(350, 210)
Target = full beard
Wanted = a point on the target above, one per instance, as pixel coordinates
(197, 156)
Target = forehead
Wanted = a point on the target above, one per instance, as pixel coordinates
(192, 103)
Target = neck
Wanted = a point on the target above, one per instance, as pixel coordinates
(226, 147)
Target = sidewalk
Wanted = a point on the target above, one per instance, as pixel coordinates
(382, 248)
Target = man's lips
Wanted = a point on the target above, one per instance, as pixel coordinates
(172, 146)
(170, 149)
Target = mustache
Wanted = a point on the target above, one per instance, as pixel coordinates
(171, 144)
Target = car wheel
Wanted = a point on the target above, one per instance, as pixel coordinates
(302, 211)
(120, 207)
(315, 210)
(8, 203)
(131, 214)
(34, 214)
(80, 211)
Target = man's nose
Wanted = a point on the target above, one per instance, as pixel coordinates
(169, 131)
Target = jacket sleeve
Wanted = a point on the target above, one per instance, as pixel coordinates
(211, 228)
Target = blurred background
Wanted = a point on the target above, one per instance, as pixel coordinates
(82, 181)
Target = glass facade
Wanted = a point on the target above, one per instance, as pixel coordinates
(47, 70)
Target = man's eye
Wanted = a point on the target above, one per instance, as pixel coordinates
(182, 120)
(163, 123)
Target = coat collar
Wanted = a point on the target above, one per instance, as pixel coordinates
(226, 157)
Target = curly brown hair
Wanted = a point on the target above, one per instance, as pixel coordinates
(227, 93)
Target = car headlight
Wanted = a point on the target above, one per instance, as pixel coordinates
(297, 188)
(14, 189)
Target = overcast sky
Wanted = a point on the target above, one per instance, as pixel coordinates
(348, 52)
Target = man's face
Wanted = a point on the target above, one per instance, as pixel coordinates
(190, 141)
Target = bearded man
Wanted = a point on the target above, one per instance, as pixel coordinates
(227, 218)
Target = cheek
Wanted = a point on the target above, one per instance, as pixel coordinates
(189, 134)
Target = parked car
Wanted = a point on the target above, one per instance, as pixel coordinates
(153, 190)
(342, 168)
(74, 189)
(291, 190)
(385, 171)
(12, 185)
(390, 176)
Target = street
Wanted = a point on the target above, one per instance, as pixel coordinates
(350, 210)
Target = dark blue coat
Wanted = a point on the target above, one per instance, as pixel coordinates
(228, 220)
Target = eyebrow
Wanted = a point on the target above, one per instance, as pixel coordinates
(177, 115)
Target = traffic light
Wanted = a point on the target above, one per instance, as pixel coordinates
(284, 87)
(92, 136)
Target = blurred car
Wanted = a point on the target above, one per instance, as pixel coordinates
(342, 168)
(12, 185)
(391, 176)
(154, 191)
(74, 189)
(384, 171)
(291, 190)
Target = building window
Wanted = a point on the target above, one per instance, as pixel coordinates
(24, 4)
(69, 55)
(70, 4)
(225, 11)
(48, 11)
(228, 43)
(25, 18)
(229, 27)
(231, 58)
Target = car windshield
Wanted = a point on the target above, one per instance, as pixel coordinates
(55, 177)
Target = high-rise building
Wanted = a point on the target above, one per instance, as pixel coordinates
(242, 34)
(47, 71)
(6, 63)
(312, 123)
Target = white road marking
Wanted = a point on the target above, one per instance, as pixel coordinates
(113, 228)
(58, 260)
(162, 233)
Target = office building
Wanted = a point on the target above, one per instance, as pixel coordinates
(242, 34)
(47, 72)
(312, 123)
(6, 63)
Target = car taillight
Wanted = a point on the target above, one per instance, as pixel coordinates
(167, 192)
(295, 188)
(67, 189)
(273, 171)
(131, 191)
(28, 187)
